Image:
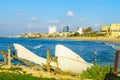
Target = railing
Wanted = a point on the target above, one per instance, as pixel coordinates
(8, 56)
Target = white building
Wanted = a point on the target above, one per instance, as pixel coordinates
(80, 30)
(52, 29)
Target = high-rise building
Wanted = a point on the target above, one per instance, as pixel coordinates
(79, 30)
(52, 29)
(65, 28)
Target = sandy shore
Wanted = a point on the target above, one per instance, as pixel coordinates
(104, 39)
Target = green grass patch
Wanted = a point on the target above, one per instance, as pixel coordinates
(13, 76)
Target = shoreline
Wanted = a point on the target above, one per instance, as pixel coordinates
(102, 39)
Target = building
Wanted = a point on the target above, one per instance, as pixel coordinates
(65, 28)
(80, 30)
(113, 30)
(104, 30)
(52, 29)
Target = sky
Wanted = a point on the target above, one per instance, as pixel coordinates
(23, 16)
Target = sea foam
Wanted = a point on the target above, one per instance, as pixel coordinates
(38, 46)
(111, 45)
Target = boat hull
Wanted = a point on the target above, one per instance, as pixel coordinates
(24, 53)
(69, 61)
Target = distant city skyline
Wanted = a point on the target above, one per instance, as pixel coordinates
(22, 16)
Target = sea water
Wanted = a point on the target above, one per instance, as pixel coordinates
(105, 51)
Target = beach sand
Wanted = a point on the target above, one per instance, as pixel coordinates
(103, 39)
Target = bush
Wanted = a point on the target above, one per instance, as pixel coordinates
(97, 72)
(13, 76)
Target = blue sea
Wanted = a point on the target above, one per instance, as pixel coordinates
(105, 51)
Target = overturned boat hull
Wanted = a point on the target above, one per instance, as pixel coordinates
(24, 53)
(69, 61)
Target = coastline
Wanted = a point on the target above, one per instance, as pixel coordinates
(103, 39)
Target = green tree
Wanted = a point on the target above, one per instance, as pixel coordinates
(76, 34)
(89, 30)
(84, 32)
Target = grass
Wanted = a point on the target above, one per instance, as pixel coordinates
(13, 76)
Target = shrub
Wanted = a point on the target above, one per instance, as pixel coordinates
(97, 72)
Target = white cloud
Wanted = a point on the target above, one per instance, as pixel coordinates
(34, 19)
(81, 19)
(70, 14)
(96, 24)
(2, 23)
(19, 14)
(30, 25)
(53, 21)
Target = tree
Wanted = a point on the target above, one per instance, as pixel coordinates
(76, 34)
(84, 31)
(89, 30)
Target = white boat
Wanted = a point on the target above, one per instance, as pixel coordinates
(26, 54)
(68, 61)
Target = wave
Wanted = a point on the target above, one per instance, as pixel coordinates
(99, 42)
(38, 46)
(111, 45)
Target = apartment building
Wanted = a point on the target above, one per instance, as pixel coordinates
(65, 28)
(80, 30)
(112, 31)
(52, 29)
